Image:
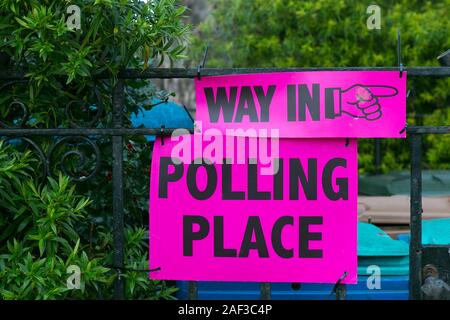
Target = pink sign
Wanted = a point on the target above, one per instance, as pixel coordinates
(230, 222)
(320, 104)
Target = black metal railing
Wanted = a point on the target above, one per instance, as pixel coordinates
(418, 265)
(118, 131)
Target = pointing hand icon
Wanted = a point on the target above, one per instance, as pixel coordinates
(362, 101)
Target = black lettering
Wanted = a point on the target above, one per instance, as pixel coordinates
(264, 100)
(210, 184)
(253, 193)
(329, 103)
(254, 227)
(189, 236)
(221, 102)
(278, 181)
(165, 177)
(246, 99)
(306, 236)
(292, 103)
(312, 101)
(219, 250)
(227, 192)
(276, 237)
(309, 184)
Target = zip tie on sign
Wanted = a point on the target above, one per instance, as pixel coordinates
(202, 65)
(165, 100)
(119, 270)
(404, 129)
(189, 115)
(409, 95)
(162, 134)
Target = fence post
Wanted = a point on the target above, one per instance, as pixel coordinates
(118, 221)
(377, 155)
(266, 290)
(415, 246)
(192, 290)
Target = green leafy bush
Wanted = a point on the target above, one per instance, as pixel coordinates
(113, 34)
(62, 63)
(325, 33)
(63, 90)
(39, 239)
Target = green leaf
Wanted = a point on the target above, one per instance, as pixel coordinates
(22, 23)
(41, 247)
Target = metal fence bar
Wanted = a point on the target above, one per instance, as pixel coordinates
(429, 129)
(190, 73)
(118, 218)
(157, 131)
(415, 247)
(88, 131)
(160, 73)
(377, 155)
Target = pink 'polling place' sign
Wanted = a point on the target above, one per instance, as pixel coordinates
(232, 220)
(315, 104)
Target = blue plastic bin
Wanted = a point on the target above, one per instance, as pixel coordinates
(434, 231)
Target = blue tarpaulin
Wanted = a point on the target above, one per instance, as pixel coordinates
(434, 183)
(164, 113)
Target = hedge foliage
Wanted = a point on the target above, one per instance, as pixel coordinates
(324, 33)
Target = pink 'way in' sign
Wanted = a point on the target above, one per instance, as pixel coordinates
(319, 104)
(229, 222)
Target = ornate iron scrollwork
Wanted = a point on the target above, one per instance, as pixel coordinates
(98, 107)
(79, 172)
(79, 169)
(23, 119)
